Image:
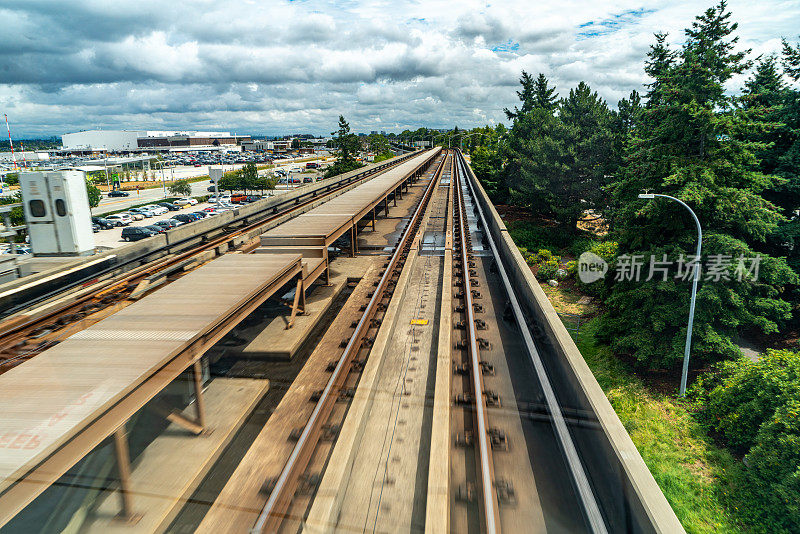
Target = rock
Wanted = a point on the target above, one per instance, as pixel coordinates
(553, 283)
(561, 274)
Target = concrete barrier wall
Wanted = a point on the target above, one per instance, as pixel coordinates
(630, 499)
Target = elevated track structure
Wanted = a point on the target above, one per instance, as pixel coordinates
(438, 392)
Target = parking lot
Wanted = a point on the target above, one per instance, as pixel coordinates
(112, 238)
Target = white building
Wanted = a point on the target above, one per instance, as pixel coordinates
(111, 140)
(133, 140)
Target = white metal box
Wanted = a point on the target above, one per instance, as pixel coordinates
(57, 213)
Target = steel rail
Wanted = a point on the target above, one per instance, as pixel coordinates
(17, 331)
(490, 506)
(581, 480)
(272, 513)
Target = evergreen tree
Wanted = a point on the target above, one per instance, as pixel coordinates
(791, 60)
(348, 145)
(527, 96)
(689, 146)
(558, 162)
(544, 95)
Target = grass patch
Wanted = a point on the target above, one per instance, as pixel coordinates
(703, 483)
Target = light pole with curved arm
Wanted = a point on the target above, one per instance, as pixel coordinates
(463, 135)
(687, 348)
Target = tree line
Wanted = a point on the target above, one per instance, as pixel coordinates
(733, 158)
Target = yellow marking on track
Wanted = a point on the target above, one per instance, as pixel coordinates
(419, 321)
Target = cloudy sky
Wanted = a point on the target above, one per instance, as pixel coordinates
(274, 66)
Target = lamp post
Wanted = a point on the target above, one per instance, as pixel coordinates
(463, 135)
(163, 183)
(687, 348)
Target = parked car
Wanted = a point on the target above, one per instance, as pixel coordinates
(95, 227)
(185, 218)
(168, 224)
(185, 202)
(103, 224)
(238, 199)
(120, 219)
(308, 179)
(169, 205)
(144, 212)
(118, 194)
(155, 228)
(135, 233)
(211, 188)
(135, 216)
(158, 210)
(200, 214)
(252, 198)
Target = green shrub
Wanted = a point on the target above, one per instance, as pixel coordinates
(742, 395)
(571, 267)
(608, 251)
(605, 249)
(774, 468)
(547, 264)
(547, 270)
(545, 255)
(755, 408)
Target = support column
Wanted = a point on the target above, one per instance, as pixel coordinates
(386, 206)
(123, 458)
(200, 403)
(299, 301)
(373, 219)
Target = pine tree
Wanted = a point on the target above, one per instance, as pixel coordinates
(558, 162)
(688, 147)
(527, 96)
(544, 96)
(791, 60)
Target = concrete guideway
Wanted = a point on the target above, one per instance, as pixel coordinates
(384, 443)
(64, 402)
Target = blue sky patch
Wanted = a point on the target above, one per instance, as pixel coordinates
(508, 46)
(615, 22)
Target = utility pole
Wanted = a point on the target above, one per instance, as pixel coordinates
(105, 164)
(14, 159)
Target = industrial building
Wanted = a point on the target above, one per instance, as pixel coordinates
(138, 140)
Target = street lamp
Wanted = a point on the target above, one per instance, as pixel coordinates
(462, 135)
(685, 373)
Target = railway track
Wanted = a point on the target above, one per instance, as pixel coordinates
(23, 337)
(537, 501)
(513, 465)
(283, 489)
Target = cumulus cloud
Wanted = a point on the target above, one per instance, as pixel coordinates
(283, 66)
